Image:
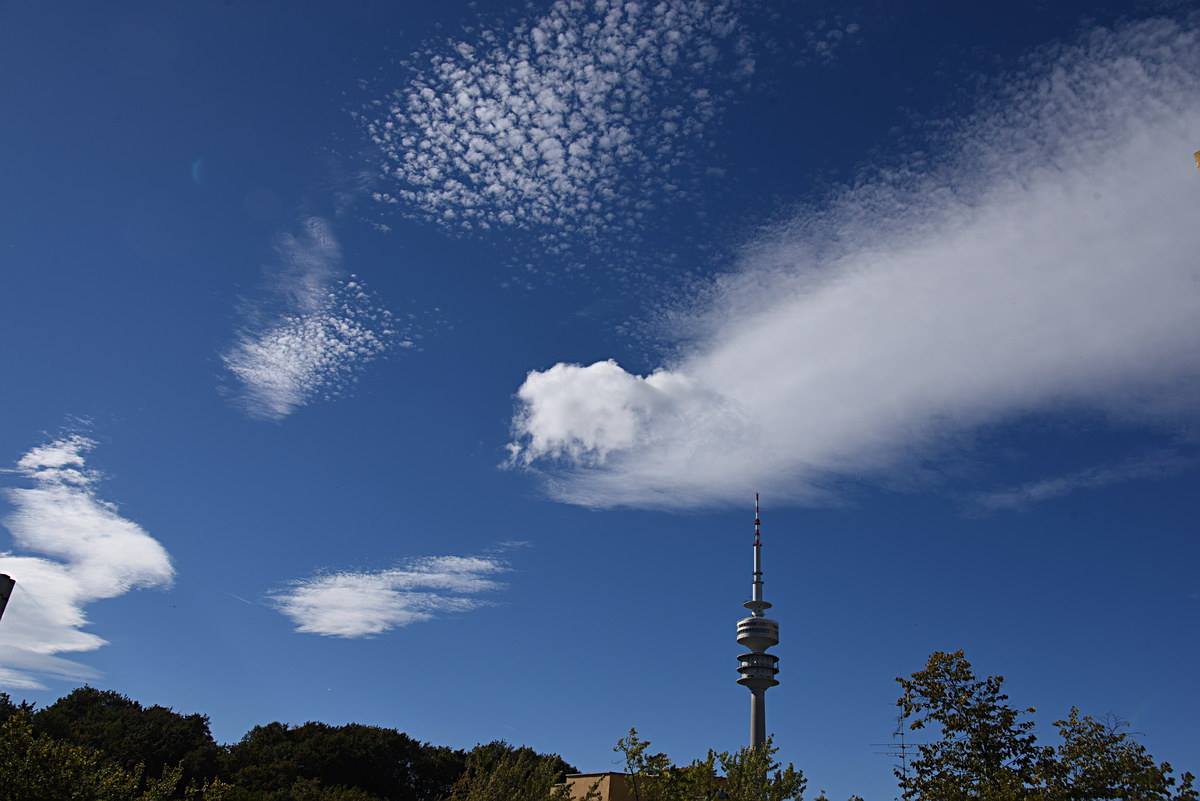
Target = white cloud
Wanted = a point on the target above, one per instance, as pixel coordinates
(330, 330)
(72, 549)
(362, 604)
(1140, 468)
(824, 38)
(574, 121)
(1047, 262)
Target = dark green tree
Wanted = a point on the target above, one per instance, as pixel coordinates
(985, 748)
(39, 768)
(750, 774)
(384, 763)
(36, 767)
(308, 790)
(754, 774)
(650, 774)
(8, 708)
(1098, 760)
(499, 772)
(130, 734)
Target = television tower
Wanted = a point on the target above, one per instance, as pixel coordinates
(758, 633)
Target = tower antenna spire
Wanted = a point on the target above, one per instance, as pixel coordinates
(756, 591)
(757, 633)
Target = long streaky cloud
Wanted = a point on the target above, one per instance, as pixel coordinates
(71, 549)
(1159, 464)
(353, 604)
(1049, 261)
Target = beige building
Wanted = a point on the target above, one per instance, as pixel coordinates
(610, 786)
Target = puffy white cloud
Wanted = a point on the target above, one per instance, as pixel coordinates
(573, 121)
(315, 349)
(584, 413)
(362, 604)
(72, 549)
(1048, 261)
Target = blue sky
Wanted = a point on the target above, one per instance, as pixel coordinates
(417, 365)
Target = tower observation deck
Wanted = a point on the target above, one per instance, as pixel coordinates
(757, 633)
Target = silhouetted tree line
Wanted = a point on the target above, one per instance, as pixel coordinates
(95, 745)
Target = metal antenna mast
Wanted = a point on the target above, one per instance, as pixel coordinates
(900, 750)
(757, 633)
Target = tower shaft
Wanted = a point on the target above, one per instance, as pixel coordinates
(758, 717)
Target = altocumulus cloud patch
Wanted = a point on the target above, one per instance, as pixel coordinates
(330, 329)
(310, 355)
(571, 122)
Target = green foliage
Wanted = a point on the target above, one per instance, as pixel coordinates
(36, 767)
(753, 774)
(499, 772)
(650, 774)
(171, 785)
(495, 750)
(101, 745)
(1097, 760)
(8, 708)
(305, 790)
(985, 748)
(277, 762)
(750, 774)
(130, 734)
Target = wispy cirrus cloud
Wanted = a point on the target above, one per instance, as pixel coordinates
(573, 121)
(1046, 261)
(1157, 465)
(362, 604)
(316, 337)
(71, 549)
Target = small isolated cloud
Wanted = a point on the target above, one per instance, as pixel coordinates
(1047, 261)
(362, 604)
(71, 548)
(329, 330)
(1142, 468)
(573, 121)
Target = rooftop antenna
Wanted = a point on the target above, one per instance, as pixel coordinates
(899, 749)
(757, 633)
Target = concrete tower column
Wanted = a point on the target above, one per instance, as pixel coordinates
(758, 717)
